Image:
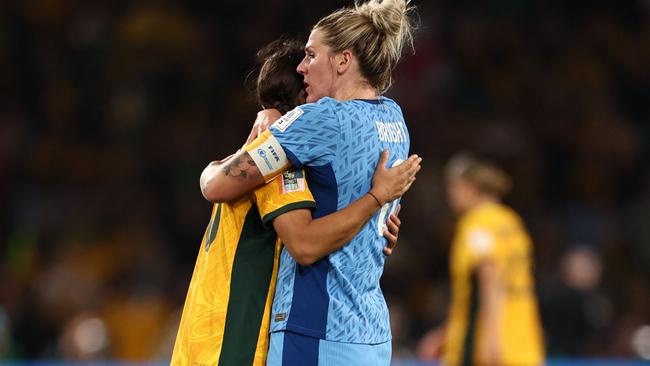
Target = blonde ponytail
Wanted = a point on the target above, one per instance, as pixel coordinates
(376, 31)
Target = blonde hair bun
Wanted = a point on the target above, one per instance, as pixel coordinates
(393, 18)
(377, 31)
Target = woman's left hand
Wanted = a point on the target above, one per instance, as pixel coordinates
(265, 118)
(392, 231)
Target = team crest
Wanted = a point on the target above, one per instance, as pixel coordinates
(292, 180)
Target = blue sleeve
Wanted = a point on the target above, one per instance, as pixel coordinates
(309, 134)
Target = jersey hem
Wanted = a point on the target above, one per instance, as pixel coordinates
(322, 335)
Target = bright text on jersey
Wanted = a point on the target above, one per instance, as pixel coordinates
(391, 131)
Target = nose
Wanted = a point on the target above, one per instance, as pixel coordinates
(302, 70)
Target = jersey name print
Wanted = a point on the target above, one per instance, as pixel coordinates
(391, 132)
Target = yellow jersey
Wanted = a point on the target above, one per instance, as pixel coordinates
(493, 232)
(226, 314)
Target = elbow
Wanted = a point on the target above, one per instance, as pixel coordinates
(213, 196)
(209, 188)
(216, 196)
(212, 193)
(300, 254)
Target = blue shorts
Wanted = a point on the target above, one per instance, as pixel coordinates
(291, 349)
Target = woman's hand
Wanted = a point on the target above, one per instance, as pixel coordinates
(389, 184)
(430, 346)
(392, 232)
(265, 118)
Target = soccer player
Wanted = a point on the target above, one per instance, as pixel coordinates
(332, 311)
(226, 314)
(493, 317)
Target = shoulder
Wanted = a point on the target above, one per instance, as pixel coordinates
(480, 222)
(322, 104)
(477, 230)
(304, 114)
(489, 214)
(322, 108)
(391, 103)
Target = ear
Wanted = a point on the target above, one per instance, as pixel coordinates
(343, 61)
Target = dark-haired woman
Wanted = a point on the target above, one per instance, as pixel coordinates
(226, 315)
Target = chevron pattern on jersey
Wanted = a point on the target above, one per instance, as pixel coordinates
(346, 136)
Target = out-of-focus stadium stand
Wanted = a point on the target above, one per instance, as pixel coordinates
(109, 110)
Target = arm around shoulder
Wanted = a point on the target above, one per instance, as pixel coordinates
(309, 240)
(228, 179)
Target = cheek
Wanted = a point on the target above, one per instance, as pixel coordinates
(320, 72)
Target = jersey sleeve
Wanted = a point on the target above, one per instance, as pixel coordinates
(481, 244)
(309, 134)
(288, 192)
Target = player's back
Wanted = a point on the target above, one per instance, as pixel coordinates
(338, 298)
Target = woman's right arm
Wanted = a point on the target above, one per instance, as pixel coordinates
(309, 240)
(228, 179)
(491, 300)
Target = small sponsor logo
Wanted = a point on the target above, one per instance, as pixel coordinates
(261, 152)
(262, 155)
(293, 181)
(285, 121)
(280, 317)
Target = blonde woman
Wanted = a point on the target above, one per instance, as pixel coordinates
(332, 311)
(226, 316)
(493, 317)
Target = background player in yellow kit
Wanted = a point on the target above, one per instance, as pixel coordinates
(493, 317)
(226, 314)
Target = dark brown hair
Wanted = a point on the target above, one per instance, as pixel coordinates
(278, 83)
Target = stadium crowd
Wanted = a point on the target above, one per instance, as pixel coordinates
(111, 109)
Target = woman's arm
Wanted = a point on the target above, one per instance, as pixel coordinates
(228, 179)
(491, 300)
(431, 345)
(309, 240)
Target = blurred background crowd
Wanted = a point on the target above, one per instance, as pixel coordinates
(109, 111)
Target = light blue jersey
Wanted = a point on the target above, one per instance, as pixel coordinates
(338, 298)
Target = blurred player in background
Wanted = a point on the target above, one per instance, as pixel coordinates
(226, 314)
(493, 315)
(333, 312)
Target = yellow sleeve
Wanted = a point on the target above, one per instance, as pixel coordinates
(268, 155)
(288, 192)
(480, 242)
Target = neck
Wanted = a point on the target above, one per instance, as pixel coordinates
(358, 90)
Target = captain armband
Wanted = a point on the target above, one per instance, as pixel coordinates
(268, 155)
